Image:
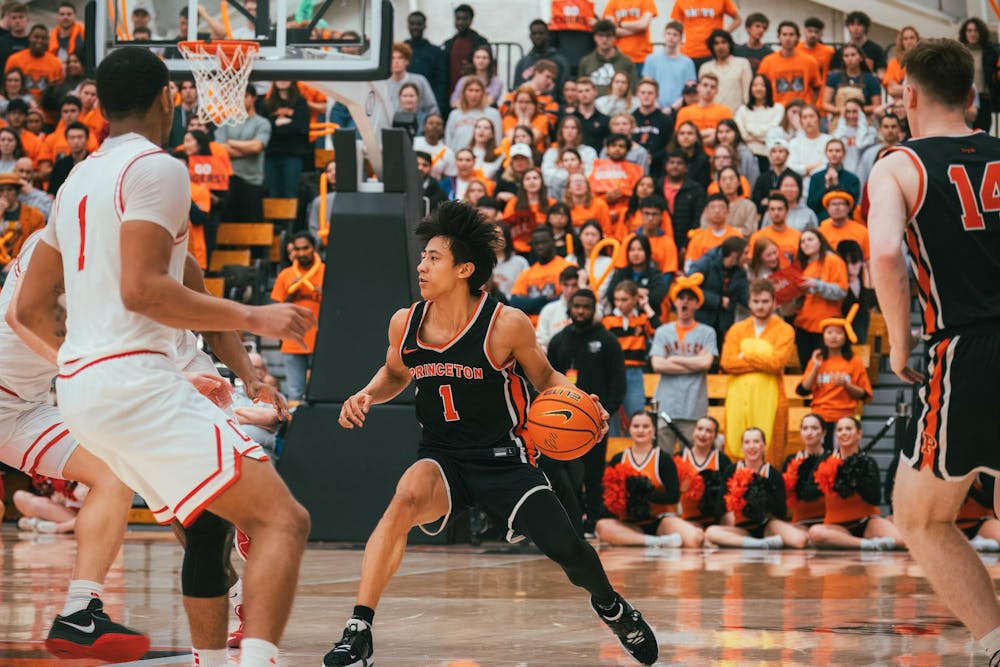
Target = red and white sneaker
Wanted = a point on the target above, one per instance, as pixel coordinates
(236, 636)
(242, 543)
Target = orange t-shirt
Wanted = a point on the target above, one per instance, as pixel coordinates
(850, 230)
(662, 249)
(787, 240)
(541, 280)
(540, 122)
(32, 145)
(791, 78)
(212, 171)
(894, 72)
(598, 210)
(201, 198)
(522, 223)
(608, 175)
(306, 296)
(830, 400)
(821, 53)
(55, 146)
(39, 73)
(572, 15)
(700, 18)
(635, 47)
(815, 309)
(705, 240)
(704, 118)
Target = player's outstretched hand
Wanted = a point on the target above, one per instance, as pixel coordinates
(605, 417)
(282, 320)
(355, 410)
(260, 392)
(214, 388)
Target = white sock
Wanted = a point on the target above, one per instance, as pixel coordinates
(79, 595)
(258, 653)
(671, 540)
(868, 544)
(651, 540)
(209, 657)
(236, 593)
(984, 544)
(753, 543)
(991, 645)
(774, 542)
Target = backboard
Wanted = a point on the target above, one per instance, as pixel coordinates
(308, 40)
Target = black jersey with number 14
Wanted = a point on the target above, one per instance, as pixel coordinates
(953, 236)
(466, 400)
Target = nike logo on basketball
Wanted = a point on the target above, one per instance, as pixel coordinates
(566, 414)
(409, 350)
(82, 628)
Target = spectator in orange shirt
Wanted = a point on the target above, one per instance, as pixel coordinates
(785, 237)
(794, 75)
(712, 236)
(706, 114)
(836, 378)
(700, 18)
(906, 39)
(646, 187)
(839, 226)
(812, 45)
(301, 284)
(55, 145)
(584, 205)
(661, 243)
(539, 283)
(211, 169)
(824, 280)
(632, 19)
(18, 221)
(17, 112)
(614, 178)
(90, 112)
(67, 37)
(41, 69)
(525, 111)
(528, 209)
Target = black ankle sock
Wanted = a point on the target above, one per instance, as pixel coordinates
(366, 614)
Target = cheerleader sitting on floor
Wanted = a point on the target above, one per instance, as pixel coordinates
(701, 469)
(755, 498)
(805, 500)
(850, 482)
(641, 490)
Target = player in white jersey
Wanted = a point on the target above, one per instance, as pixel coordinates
(117, 235)
(33, 439)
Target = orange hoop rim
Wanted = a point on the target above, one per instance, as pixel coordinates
(227, 46)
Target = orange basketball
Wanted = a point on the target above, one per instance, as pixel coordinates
(564, 423)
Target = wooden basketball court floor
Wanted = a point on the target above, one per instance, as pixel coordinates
(499, 606)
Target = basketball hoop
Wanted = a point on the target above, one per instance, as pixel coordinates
(221, 71)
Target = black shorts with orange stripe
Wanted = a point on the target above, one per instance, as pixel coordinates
(955, 428)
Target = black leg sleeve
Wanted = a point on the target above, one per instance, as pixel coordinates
(544, 521)
(559, 475)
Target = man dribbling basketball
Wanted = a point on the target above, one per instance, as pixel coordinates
(467, 353)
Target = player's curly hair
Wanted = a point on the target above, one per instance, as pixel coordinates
(470, 238)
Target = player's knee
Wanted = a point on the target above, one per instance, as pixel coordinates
(299, 523)
(25, 502)
(406, 504)
(817, 535)
(602, 527)
(204, 572)
(694, 538)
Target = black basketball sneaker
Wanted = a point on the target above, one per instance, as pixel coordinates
(89, 633)
(354, 649)
(632, 631)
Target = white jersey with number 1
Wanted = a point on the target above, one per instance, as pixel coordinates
(129, 178)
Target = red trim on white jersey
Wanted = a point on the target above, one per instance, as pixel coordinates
(119, 196)
(131, 353)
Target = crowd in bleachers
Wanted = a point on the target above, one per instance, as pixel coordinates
(681, 186)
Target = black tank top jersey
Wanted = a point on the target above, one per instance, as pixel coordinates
(464, 400)
(954, 236)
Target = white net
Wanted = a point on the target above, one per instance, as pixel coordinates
(221, 71)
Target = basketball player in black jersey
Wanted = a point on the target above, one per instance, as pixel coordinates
(471, 359)
(940, 195)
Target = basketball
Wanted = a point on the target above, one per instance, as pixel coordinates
(564, 423)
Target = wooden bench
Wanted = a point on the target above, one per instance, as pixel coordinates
(718, 387)
(245, 234)
(616, 446)
(215, 286)
(221, 258)
(321, 156)
(650, 381)
(279, 209)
